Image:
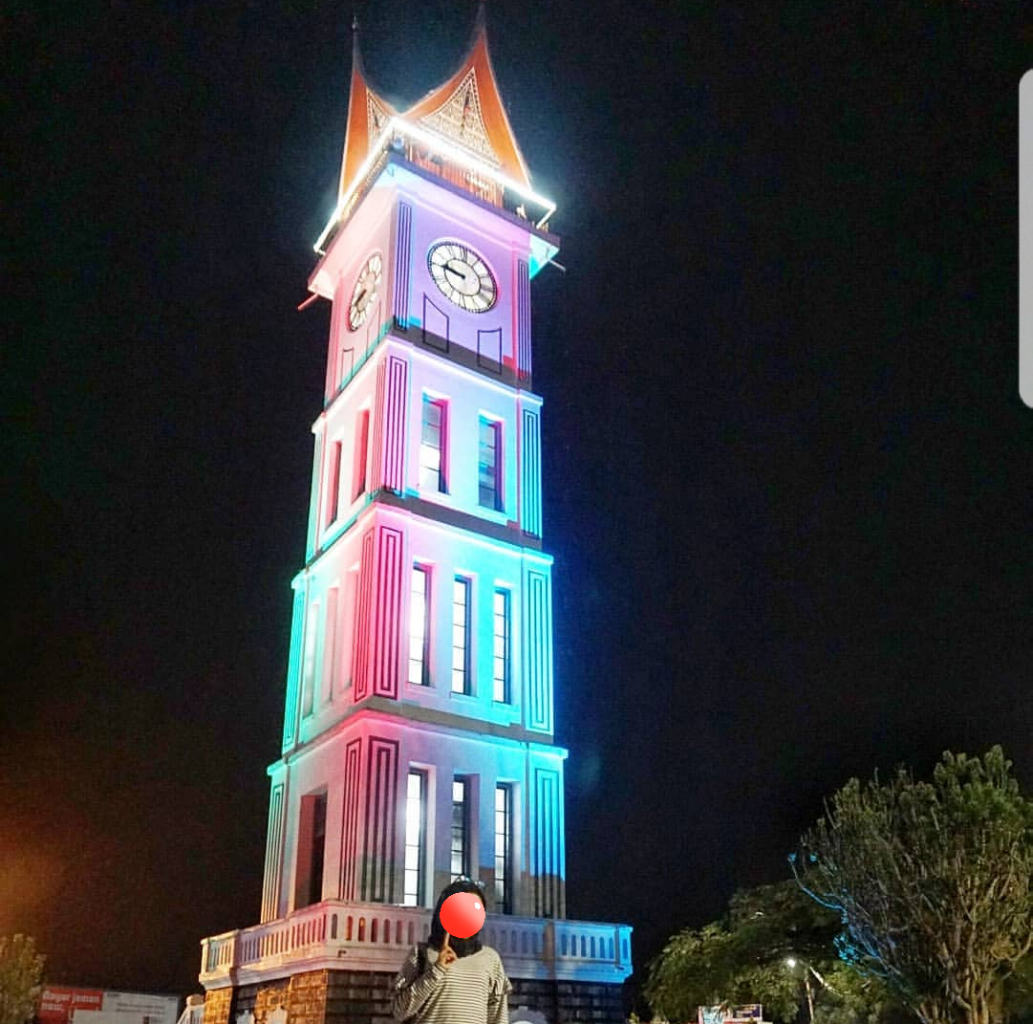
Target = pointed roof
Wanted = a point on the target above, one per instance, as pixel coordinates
(466, 109)
(368, 113)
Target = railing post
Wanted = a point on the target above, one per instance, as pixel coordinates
(549, 942)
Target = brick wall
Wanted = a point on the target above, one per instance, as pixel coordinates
(217, 1006)
(564, 1002)
(364, 997)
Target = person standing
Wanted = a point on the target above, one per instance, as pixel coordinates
(450, 980)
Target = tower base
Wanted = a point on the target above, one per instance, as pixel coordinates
(334, 963)
(364, 997)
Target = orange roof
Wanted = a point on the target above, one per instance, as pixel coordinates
(467, 109)
(367, 115)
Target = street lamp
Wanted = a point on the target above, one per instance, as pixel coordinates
(807, 972)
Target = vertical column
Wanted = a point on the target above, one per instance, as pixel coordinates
(537, 660)
(530, 473)
(523, 323)
(403, 262)
(314, 492)
(378, 428)
(378, 624)
(273, 856)
(378, 865)
(351, 820)
(363, 617)
(290, 715)
(333, 359)
(394, 411)
(387, 636)
(547, 847)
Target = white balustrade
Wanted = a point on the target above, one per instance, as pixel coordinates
(376, 936)
(193, 1012)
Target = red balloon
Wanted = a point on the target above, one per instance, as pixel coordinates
(462, 914)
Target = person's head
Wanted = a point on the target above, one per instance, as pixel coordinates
(463, 947)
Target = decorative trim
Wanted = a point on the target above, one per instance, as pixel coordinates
(463, 357)
(523, 321)
(537, 653)
(396, 394)
(489, 350)
(462, 520)
(273, 856)
(403, 263)
(377, 116)
(434, 335)
(290, 719)
(350, 819)
(531, 473)
(377, 427)
(361, 673)
(460, 119)
(378, 865)
(547, 860)
(388, 586)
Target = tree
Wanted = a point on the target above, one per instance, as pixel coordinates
(932, 882)
(1017, 992)
(774, 946)
(21, 973)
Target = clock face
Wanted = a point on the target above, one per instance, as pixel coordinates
(462, 276)
(365, 292)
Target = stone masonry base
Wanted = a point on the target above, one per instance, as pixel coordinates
(363, 997)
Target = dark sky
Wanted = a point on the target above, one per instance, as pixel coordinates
(788, 476)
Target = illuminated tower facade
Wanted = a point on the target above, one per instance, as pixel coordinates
(418, 733)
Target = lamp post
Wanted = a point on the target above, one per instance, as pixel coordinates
(807, 972)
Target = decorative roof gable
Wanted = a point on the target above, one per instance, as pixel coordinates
(460, 119)
(467, 110)
(368, 114)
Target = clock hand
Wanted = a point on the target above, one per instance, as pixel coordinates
(449, 269)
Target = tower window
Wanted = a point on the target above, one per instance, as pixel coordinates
(489, 464)
(415, 838)
(334, 483)
(311, 850)
(504, 848)
(419, 626)
(461, 635)
(433, 440)
(460, 863)
(502, 646)
(361, 476)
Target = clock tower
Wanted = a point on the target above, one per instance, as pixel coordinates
(418, 731)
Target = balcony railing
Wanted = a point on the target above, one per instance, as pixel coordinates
(193, 1012)
(374, 936)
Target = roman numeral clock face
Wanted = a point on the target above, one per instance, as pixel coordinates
(365, 291)
(462, 276)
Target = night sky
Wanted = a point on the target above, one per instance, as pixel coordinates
(788, 477)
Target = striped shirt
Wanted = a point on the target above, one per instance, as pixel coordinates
(473, 990)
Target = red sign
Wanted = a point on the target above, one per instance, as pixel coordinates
(57, 1003)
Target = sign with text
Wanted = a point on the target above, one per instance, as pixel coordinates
(60, 1004)
(753, 1013)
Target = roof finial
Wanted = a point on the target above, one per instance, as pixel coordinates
(356, 52)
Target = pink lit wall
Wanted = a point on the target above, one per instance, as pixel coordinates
(354, 724)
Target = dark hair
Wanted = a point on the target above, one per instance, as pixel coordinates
(462, 947)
